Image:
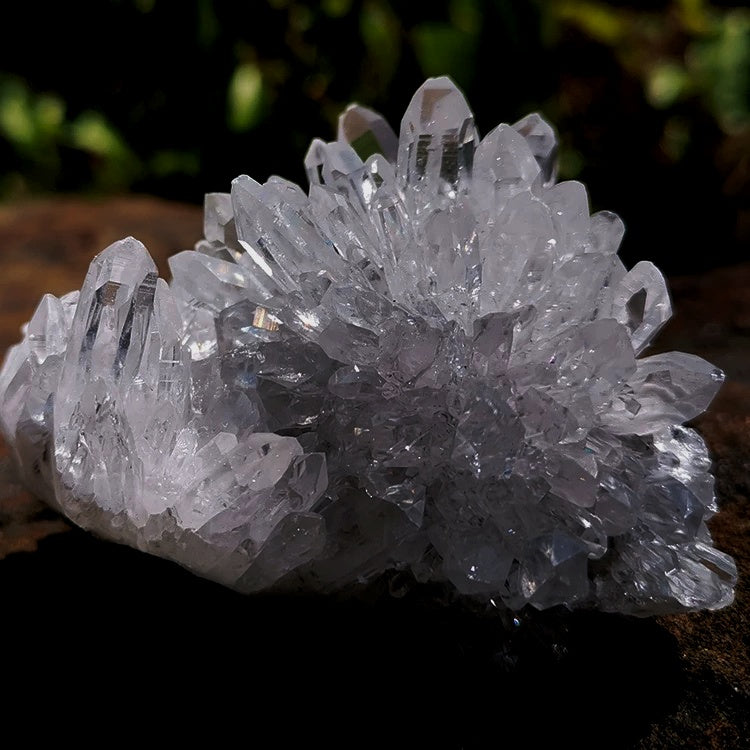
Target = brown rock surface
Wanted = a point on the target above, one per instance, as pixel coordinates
(583, 678)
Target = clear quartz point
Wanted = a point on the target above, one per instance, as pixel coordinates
(437, 142)
(430, 362)
(540, 136)
(367, 133)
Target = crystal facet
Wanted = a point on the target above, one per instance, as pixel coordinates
(430, 362)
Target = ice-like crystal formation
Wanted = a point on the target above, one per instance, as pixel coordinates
(431, 362)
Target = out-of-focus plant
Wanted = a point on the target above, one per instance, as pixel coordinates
(688, 50)
(178, 99)
(37, 129)
(692, 61)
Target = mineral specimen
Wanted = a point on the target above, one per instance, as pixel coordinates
(431, 362)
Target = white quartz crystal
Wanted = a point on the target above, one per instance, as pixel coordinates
(430, 362)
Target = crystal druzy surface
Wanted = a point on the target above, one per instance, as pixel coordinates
(432, 361)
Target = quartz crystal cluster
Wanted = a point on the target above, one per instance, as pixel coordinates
(432, 362)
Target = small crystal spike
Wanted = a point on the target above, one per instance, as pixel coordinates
(367, 133)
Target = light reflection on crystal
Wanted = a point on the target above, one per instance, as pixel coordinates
(430, 362)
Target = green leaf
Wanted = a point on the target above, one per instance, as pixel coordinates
(666, 83)
(91, 132)
(16, 115)
(245, 97)
(595, 19)
(722, 65)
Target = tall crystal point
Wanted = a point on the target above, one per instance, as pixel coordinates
(432, 361)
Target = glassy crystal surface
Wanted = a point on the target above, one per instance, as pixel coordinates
(432, 361)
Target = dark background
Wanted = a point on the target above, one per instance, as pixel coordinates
(651, 98)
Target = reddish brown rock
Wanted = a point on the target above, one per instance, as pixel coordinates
(690, 674)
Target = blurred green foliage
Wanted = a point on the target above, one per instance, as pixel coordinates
(651, 98)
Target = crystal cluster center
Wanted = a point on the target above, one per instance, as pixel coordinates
(432, 361)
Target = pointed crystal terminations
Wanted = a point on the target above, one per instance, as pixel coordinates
(436, 146)
(543, 144)
(367, 133)
(433, 361)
